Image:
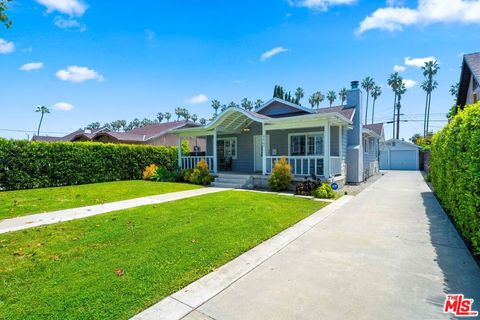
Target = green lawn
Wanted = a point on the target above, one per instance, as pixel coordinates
(68, 270)
(24, 202)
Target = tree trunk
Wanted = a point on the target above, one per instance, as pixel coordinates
(393, 123)
(40, 124)
(428, 112)
(366, 110)
(425, 116)
(373, 110)
(398, 118)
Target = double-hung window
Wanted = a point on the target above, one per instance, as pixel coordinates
(311, 144)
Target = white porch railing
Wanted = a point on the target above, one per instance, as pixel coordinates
(190, 162)
(301, 165)
(337, 166)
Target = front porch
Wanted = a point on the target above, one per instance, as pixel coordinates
(245, 143)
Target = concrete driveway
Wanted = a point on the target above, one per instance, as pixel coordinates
(389, 253)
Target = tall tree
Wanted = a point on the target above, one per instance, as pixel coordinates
(160, 116)
(4, 19)
(376, 92)
(43, 110)
(430, 69)
(135, 123)
(258, 104)
(178, 113)
(186, 114)
(232, 105)
(168, 115)
(400, 92)
(367, 85)
(203, 121)
(123, 124)
(146, 122)
(342, 94)
(331, 97)
(194, 118)
(216, 105)
(394, 82)
(454, 90)
(299, 94)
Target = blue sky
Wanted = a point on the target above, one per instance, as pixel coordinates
(111, 60)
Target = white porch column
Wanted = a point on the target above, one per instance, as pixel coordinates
(326, 161)
(215, 166)
(264, 149)
(180, 152)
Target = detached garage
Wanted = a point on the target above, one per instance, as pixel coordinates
(399, 155)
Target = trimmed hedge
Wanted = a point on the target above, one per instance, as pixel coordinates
(26, 164)
(455, 172)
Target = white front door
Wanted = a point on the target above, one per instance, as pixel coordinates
(257, 151)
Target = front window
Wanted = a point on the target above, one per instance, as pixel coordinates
(307, 144)
(227, 147)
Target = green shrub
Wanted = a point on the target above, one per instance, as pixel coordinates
(455, 172)
(162, 174)
(27, 164)
(281, 177)
(325, 191)
(185, 174)
(200, 175)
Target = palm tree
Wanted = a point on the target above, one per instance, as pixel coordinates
(186, 114)
(342, 94)
(454, 90)
(203, 121)
(135, 123)
(93, 126)
(430, 68)
(178, 113)
(194, 118)
(123, 124)
(394, 82)
(168, 115)
(311, 100)
(367, 85)
(232, 105)
(331, 97)
(400, 92)
(376, 92)
(216, 105)
(319, 97)
(299, 94)
(160, 117)
(43, 110)
(258, 104)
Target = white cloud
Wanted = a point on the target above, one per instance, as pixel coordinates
(322, 5)
(78, 74)
(427, 12)
(6, 46)
(267, 55)
(71, 7)
(198, 99)
(32, 66)
(418, 62)
(398, 68)
(63, 106)
(69, 24)
(409, 83)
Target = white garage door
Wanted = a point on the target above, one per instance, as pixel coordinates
(403, 160)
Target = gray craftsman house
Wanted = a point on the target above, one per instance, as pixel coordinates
(331, 143)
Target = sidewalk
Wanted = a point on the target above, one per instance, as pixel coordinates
(40, 219)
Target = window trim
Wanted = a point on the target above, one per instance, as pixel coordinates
(306, 134)
(229, 139)
(366, 145)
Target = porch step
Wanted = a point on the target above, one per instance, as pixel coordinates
(232, 181)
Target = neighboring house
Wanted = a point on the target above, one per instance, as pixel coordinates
(469, 89)
(326, 142)
(373, 137)
(156, 135)
(70, 136)
(399, 155)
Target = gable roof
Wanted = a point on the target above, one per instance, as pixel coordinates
(470, 67)
(375, 127)
(287, 103)
(389, 143)
(345, 111)
(46, 138)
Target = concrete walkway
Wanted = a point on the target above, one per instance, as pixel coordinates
(40, 219)
(388, 253)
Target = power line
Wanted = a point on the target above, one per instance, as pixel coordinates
(32, 131)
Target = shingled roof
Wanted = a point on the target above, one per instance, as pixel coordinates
(470, 67)
(375, 127)
(345, 111)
